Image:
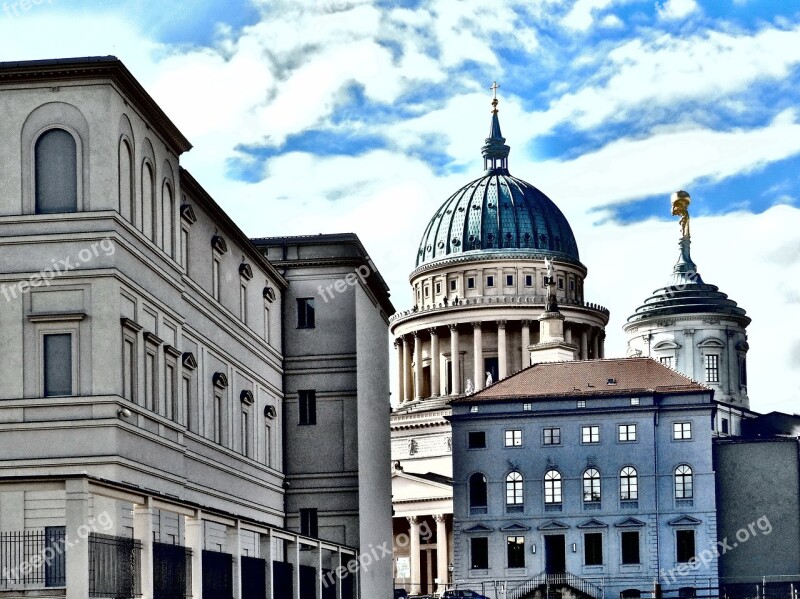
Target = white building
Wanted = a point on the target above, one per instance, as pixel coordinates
(144, 407)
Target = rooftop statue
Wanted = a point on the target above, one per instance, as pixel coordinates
(680, 207)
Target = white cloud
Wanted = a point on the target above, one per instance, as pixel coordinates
(611, 22)
(582, 15)
(676, 9)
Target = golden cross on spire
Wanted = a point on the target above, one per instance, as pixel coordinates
(494, 87)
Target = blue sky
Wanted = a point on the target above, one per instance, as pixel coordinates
(349, 115)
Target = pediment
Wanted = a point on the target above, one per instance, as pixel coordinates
(407, 487)
(516, 527)
(593, 523)
(629, 523)
(479, 528)
(666, 344)
(684, 521)
(711, 343)
(187, 214)
(552, 525)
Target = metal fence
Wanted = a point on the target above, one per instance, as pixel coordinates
(115, 565)
(172, 571)
(34, 558)
(217, 575)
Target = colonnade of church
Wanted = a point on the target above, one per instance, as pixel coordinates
(425, 357)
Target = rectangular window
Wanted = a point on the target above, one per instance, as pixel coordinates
(513, 438)
(470, 282)
(684, 544)
(527, 407)
(309, 522)
(712, 368)
(453, 285)
(551, 436)
(308, 407)
(593, 549)
(627, 432)
(266, 324)
(215, 288)
(571, 285)
(57, 365)
(528, 280)
(426, 291)
(267, 445)
(634, 401)
(725, 427)
(150, 381)
(217, 419)
(666, 361)
(479, 553)
(438, 287)
(128, 368)
(246, 434)
(490, 281)
(509, 280)
(630, 547)
(169, 391)
(185, 249)
(590, 434)
(243, 303)
(476, 440)
(681, 430)
(305, 313)
(516, 552)
(581, 403)
(188, 399)
(560, 283)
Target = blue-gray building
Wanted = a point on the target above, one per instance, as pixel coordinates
(595, 477)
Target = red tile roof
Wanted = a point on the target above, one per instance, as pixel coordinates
(589, 378)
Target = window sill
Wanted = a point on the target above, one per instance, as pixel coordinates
(478, 511)
(591, 505)
(515, 509)
(629, 504)
(552, 507)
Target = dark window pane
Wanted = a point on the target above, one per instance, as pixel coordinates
(305, 313)
(477, 490)
(630, 547)
(309, 522)
(479, 549)
(476, 440)
(308, 407)
(56, 173)
(685, 545)
(516, 552)
(593, 548)
(57, 365)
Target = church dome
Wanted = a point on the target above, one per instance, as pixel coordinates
(497, 214)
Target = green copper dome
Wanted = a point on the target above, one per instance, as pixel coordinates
(497, 214)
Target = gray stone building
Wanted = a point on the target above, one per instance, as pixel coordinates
(593, 477)
(144, 411)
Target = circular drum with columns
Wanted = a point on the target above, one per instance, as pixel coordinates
(478, 286)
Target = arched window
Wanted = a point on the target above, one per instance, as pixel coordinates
(168, 220)
(125, 180)
(684, 485)
(514, 489)
(56, 165)
(591, 485)
(552, 486)
(477, 493)
(628, 484)
(148, 201)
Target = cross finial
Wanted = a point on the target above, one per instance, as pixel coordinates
(494, 87)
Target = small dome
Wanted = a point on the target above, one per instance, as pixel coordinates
(497, 213)
(687, 293)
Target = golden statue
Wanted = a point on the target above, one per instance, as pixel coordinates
(680, 207)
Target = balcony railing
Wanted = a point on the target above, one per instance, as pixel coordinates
(172, 571)
(535, 301)
(33, 558)
(115, 565)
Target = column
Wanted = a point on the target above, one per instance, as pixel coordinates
(77, 558)
(502, 354)
(455, 360)
(442, 551)
(567, 334)
(265, 553)
(398, 346)
(477, 352)
(234, 547)
(143, 532)
(526, 341)
(408, 393)
(602, 345)
(688, 348)
(584, 344)
(413, 549)
(595, 344)
(417, 365)
(194, 541)
(435, 362)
